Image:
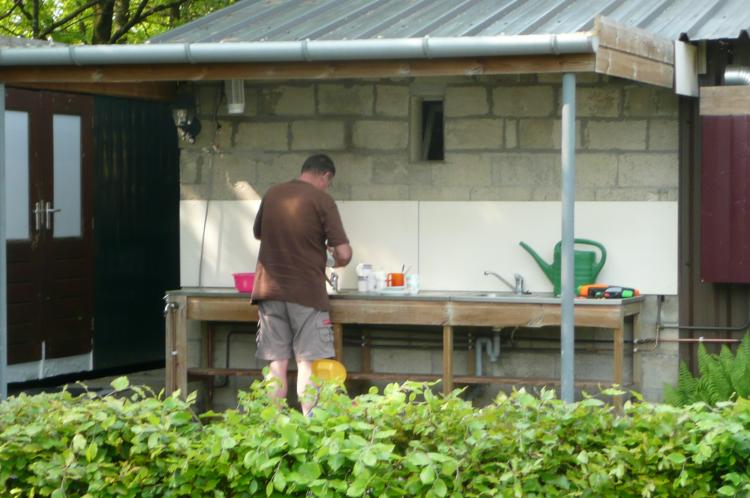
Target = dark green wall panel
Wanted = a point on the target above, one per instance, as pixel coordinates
(136, 229)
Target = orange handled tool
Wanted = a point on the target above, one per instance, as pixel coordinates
(607, 291)
(592, 290)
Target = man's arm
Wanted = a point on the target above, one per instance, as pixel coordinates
(342, 254)
(258, 222)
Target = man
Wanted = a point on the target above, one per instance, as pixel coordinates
(297, 224)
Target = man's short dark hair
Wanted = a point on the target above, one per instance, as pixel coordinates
(319, 163)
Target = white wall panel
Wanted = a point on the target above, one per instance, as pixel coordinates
(191, 222)
(450, 244)
(384, 233)
(459, 240)
(227, 247)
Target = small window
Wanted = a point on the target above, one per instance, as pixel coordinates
(427, 130)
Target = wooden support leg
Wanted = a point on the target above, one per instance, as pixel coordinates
(208, 360)
(338, 341)
(447, 359)
(366, 352)
(170, 384)
(637, 366)
(176, 346)
(471, 360)
(618, 362)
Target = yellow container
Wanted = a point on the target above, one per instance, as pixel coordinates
(329, 369)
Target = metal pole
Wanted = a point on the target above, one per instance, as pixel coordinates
(567, 342)
(3, 259)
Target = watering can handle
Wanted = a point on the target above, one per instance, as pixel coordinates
(594, 243)
(598, 266)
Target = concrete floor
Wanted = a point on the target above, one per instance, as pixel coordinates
(151, 378)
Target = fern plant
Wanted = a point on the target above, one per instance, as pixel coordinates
(721, 377)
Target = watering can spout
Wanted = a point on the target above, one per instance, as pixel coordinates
(547, 268)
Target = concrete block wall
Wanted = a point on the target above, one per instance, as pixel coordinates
(502, 140)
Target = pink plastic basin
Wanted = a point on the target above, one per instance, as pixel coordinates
(243, 282)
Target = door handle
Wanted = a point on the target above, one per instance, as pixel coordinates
(48, 211)
(37, 215)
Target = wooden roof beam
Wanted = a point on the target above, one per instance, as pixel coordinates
(301, 70)
(162, 91)
(633, 54)
(725, 101)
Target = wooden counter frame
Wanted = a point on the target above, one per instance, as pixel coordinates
(183, 306)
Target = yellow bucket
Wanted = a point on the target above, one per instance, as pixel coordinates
(329, 369)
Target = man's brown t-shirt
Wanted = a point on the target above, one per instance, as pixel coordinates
(293, 223)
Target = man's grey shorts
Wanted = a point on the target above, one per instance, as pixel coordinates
(290, 330)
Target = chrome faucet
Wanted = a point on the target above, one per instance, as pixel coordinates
(518, 288)
(334, 281)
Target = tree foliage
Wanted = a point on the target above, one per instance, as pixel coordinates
(99, 21)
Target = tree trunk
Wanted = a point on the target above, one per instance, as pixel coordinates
(174, 16)
(103, 23)
(35, 18)
(122, 16)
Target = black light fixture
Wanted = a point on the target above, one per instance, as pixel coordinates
(184, 115)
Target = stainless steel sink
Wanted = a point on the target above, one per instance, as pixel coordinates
(500, 296)
(497, 294)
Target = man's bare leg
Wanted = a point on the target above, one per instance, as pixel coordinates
(304, 372)
(277, 369)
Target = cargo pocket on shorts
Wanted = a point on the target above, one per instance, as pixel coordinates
(326, 333)
(325, 330)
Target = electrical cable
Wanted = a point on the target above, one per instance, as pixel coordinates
(211, 153)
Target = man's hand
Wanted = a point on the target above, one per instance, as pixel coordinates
(342, 254)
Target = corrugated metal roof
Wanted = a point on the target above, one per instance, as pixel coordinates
(291, 20)
(15, 42)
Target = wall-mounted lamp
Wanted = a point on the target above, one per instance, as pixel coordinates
(185, 119)
(235, 91)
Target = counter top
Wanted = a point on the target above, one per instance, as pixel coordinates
(457, 296)
(444, 309)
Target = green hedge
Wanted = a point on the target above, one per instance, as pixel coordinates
(403, 442)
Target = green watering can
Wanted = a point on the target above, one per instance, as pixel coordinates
(586, 266)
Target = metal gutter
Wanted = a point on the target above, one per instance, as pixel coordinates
(302, 51)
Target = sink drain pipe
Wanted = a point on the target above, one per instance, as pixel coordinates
(493, 351)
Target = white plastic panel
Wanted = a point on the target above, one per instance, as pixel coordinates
(450, 244)
(459, 240)
(17, 204)
(383, 233)
(66, 138)
(227, 246)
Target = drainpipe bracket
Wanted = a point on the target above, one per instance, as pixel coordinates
(426, 47)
